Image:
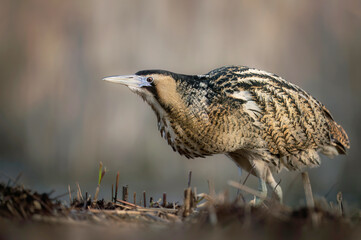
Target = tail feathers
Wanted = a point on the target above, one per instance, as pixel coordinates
(338, 137)
(340, 148)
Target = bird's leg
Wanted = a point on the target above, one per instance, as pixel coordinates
(240, 171)
(263, 189)
(274, 185)
(260, 169)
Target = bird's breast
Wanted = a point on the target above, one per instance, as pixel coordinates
(205, 133)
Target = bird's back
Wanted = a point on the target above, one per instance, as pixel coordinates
(256, 118)
(293, 123)
(240, 111)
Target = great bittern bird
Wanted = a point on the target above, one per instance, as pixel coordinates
(259, 120)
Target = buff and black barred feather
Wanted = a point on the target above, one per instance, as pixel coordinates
(294, 124)
(235, 108)
(254, 117)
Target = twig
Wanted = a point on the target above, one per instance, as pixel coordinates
(246, 189)
(167, 210)
(249, 173)
(123, 206)
(79, 194)
(116, 187)
(212, 215)
(63, 194)
(164, 199)
(69, 194)
(18, 178)
(144, 199)
(211, 189)
(86, 200)
(187, 202)
(329, 191)
(128, 203)
(125, 193)
(195, 194)
(189, 179)
(7, 176)
(112, 198)
(340, 204)
(244, 182)
(279, 182)
(51, 192)
(308, 191)
(274, 189)
(151, 202)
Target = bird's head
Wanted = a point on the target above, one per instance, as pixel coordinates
(158, 86)
(144, 82)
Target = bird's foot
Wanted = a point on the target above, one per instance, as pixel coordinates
(258, 200)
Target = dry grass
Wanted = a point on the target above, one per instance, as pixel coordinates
(204, 215)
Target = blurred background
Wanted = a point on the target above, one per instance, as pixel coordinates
(58, 119)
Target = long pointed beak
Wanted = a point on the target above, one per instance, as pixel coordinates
(128, 80)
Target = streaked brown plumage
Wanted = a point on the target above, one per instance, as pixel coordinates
(258, 119)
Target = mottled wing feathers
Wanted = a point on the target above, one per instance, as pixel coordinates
(292, 120)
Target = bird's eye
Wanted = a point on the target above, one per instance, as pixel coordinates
(149, 79)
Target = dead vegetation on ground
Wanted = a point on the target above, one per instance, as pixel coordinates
(202, 212)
